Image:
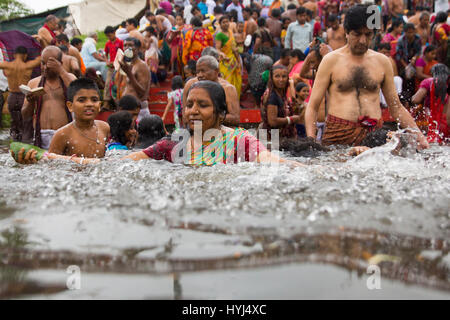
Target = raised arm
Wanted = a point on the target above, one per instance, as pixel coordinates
(319, 89)
(33, 63)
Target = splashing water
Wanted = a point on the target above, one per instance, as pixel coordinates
(156, 217)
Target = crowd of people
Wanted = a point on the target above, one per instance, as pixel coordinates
(319, 71)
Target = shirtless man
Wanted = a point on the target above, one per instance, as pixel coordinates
(353, 76)
(18, 72)
(250, 25)
(63, 40)
(162, 12)
(51, 111)
(396, 8)
(208, 69)
(133, 32)
(335, 34)
(162, 23)
(70, 64)
(423, 28)
(138, 76)
(47, 32)
(311, 5)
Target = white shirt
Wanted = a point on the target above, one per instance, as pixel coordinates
(122, 33)
(143, 23)
(187, 14)
(440, 5)
(211, 4)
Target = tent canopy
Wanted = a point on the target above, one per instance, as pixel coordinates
(93, 15)
(31, 24)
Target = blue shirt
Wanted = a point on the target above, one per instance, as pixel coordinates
(116, 146)
(87, 50)
(203, 8)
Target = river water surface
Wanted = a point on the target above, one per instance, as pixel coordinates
(152, 230)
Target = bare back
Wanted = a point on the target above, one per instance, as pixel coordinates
(18, 73)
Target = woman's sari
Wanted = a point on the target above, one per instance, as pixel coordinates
(176, 46)
(231, 68)
(194, 42)
(438, 130)
(439, 39)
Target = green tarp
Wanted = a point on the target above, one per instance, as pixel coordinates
(31, 24)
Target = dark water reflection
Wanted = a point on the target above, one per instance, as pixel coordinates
(156, 220)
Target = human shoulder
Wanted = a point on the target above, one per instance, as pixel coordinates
(33, 83)
(102, 125)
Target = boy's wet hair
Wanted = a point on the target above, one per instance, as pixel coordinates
(21, 50)
(375, 138)
(129, 102)
(63, 48)
(119, 123)
(75, 41)
(109, 29)
(356, 18)
(62, 37)
(150, 130)
(79, 84)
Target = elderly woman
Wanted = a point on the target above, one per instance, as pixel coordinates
(204, 113)
(205, 110)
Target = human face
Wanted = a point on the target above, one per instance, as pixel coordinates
(303, 94)
(255, 15)
(199, 107)
(293, 61)
(240, 28)
(429, 56)
(225, 24)
(111, 36)
(386, 52)
(85, 105)
(424, 22)
(285, 60)
(204, 72)
(280, 78)
(79, 46)
(53, 25)
(129, 26)
(179, 21)
(131, 135)
(130, 44)
(410, 33)
(359, 40)
(301, 18)
(246, 15)
(286, 23)
(46, 55)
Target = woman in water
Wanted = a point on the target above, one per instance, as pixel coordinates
(206, 107)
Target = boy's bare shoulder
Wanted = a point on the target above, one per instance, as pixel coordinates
(102, 125)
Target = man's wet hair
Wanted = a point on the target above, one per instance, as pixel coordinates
(62, 37)
(119, 123)
(177, 83)
(21, 50)
(129, 103)
(195, 8)
(160, 11)
(63, 48)
(79, 84)
(137, 42)
(384, 45)
(356, 18)
(276, 13)
(309, 13)
(298, 53)
(76, 41)
(218, 10)
(261, 22)
(150, 130)
(375, 138)
(332, 18)
(109, 29)
(148, 13)
(291, 6)
(285, 52)
(300, 10)
(248, 9)
(409, 26)
(216, 94)
(133, 21)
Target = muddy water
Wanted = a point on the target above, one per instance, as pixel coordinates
(157, 230)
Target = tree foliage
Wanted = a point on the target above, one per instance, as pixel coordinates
(10, 9)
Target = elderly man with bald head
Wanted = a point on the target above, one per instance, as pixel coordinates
(50, 109)
(208, 69)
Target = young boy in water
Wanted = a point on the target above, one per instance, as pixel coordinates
(84, 137)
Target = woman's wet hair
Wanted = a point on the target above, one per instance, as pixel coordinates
(375, 138)
(301, 147)
(216, 94)
(395, 24)
(298, 54)
(440, 73)
(129, 102)
(300, 86)
(80, 84)
(150, 130)
(119, 123)
(356, 18)
(177, 83)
